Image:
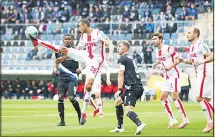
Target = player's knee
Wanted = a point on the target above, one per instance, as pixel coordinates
(163, 97)
(199, 99)
(174, 95)
(118, 102)
(71, 98)
(60, 97)
(88, 87)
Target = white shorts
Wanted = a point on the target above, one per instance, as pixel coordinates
(92, 65)
(96, 88)
(204, 86)
(171, 85)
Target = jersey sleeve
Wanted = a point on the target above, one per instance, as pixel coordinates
(101, 35)
(81, 43)
(172, 52)
(204, 48)
(122, 62)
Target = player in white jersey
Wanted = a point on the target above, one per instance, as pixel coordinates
(94, 40)
(200, 56)
(168, 57)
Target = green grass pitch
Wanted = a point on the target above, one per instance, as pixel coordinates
(40, 117)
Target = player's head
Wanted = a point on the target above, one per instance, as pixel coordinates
(83, 25)
(193, 34)
(67, 40)
(157, 39)
(123, 47)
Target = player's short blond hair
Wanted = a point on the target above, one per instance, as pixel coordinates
(125, 42)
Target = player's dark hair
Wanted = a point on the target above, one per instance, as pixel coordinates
(126, 43)
(85, 21)
(197, 31)
(159, 35)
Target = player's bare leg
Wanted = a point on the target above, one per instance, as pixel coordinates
(179, 105)
(168, 109)
(207, 112)
(77, 55)
(88, 87)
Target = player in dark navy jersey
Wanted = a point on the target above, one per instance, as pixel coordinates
(68, 77)
(128, 77)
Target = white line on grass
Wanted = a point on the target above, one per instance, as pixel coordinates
(106, 114)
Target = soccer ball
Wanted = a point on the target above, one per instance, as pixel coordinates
(31, 30)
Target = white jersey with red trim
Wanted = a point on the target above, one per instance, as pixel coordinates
(94, 44)
(197, 52)
(166, 57)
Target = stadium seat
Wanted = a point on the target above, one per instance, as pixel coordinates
(21, 50)
(174, 43)
(22, 43)
(167, 42)
(166, 36)
(15, 44)
(5, 56)
(14, 50)
(174, 36)
(6, 50)
(182, 43)
(8, 43)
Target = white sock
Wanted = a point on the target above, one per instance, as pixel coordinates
(180, 108)
(99, 104)
(86, 102)
(206, 110)
(168, 109)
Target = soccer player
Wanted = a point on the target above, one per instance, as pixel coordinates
(128, 77)
(168, 57)
(200, 56)
(94, 40)
(67, 79)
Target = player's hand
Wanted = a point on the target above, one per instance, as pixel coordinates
(108, 82)
(168, 68)
(110, 57)
(181, 60)
(64, 50)
(116, 95)
(198, 62)
(78, 71)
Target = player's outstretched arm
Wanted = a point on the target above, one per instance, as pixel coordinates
(186, 61)
(111, 49)
(120, 80)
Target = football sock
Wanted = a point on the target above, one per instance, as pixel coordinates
(168, 108)
(76, 107)
(206, 109)
(180, 108)
(86, 102)
(99, 104)
(119, 114)
(61, 109)
(133, 116)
